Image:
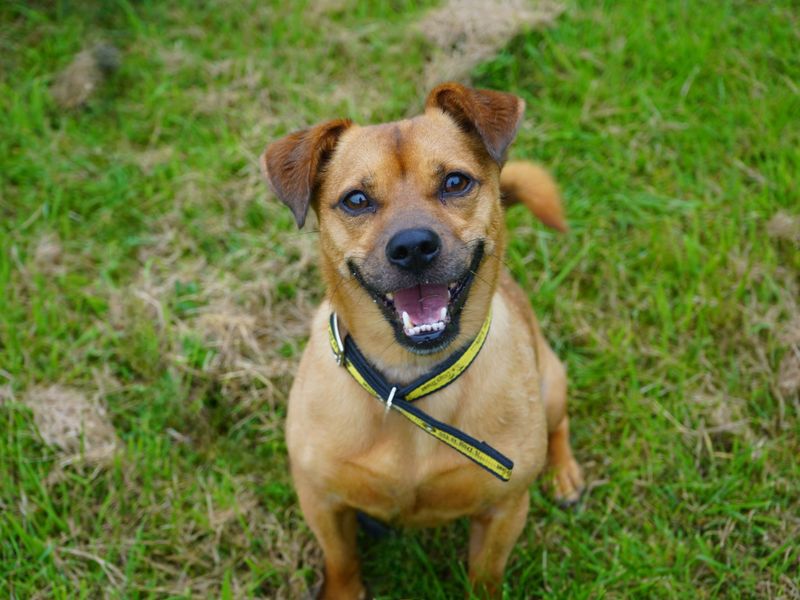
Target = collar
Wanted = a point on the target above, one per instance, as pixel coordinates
(400, 398)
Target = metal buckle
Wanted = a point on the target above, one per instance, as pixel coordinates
(340, 353)
(389, 399)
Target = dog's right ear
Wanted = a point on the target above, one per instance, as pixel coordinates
(292, 164)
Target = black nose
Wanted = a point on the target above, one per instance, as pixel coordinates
(413, 249)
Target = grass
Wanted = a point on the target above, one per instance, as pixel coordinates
(143, 264)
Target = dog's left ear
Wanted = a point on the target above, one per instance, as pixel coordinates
(292, 164)
(494, 116)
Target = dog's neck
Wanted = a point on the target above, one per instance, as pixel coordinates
(399, 364)
(376, 338)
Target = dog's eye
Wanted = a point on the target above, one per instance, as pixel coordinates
(456, 184)
(356, 203)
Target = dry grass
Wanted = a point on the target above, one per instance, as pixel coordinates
(76, 426)
(789, 372)
(784, 226)
(48, 254)
(77, 83)
(721, 416)
(466, 33)
(235, 309)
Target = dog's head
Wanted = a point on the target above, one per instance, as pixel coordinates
(409, 212)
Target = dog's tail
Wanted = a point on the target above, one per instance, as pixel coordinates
(529, 184)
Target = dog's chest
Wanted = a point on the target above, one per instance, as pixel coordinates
(414, 481)
(407, 476)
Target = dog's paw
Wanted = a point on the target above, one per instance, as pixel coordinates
(568, 484)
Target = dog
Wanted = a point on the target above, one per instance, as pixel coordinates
(424, 344)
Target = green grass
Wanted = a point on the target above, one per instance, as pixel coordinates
(672, 127)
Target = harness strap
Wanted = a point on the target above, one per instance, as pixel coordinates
(397, 398)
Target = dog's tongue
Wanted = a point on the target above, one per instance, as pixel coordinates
(423, 303)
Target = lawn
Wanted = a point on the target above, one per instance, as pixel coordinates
(154, 295)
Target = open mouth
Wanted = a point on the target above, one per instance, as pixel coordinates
(425, 316)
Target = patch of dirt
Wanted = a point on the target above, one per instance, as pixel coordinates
(148, 160)
(788, 378)
(722, 413)
(466, 33)
(175, 59)
(320, 8)
(784, 226)
(6, 393)
(69, 421)
(779, 318)
(48, 254)
(75, 85)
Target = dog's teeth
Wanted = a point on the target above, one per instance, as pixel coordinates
(443, 313)
(414, 330)
(390, 296)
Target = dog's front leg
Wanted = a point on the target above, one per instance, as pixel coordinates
(492, 535)
(335, 528)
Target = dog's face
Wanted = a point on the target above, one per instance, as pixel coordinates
(407, 210)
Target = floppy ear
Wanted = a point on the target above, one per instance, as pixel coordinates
(293, 163)
(494, 116)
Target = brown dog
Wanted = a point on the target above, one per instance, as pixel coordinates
(412, 236)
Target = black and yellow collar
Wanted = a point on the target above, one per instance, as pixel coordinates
(399, 398)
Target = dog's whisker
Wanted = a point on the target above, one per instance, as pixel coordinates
(392, 342)
(500, 260)
(479, 240)
(342, 280)
(475, 273)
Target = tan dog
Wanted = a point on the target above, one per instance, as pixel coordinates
(412, 235)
